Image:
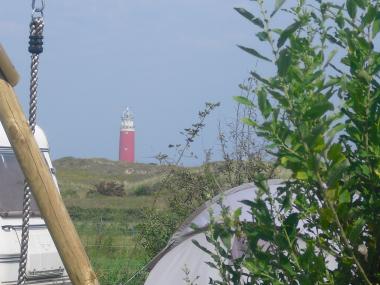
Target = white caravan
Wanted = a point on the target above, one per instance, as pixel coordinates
(44, 265)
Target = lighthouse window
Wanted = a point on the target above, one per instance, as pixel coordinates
(11, 185)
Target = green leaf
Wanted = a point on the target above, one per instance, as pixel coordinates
(327, 217)
(344, 197)
(331, 194)
(212, 265)
(334, 40)
(277, 6)
(331, 56)
(243, 100)
(302, 175)
(249, 122)
(361, 3)
(264, 104)
(318, 144)
(287, 33)
(226, 239)
(336, 172)
(351, 8)
(376, 25)
(248, 203)
(291, 221)
(254, 52)
(362, 74)
(290, 224)
(336, 129)
(263, 36)
(284, 160)
(259, 78)
(284, 61)
(197, 244)
(250, 17)
(277, 31)
(237, 213)
(280, 98)
(356, 230)
(339, 19)
(335, 152)
(364, 43)
(370, 16)
(319, 109)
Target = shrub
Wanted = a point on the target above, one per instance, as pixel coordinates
(319, 114)
(156, 229)
(109, 188)
(145, 190)
(186, 189)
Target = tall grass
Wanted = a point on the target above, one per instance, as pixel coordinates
(109, 238)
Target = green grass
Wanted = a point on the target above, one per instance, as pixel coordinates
(106, 225)
(109, 238)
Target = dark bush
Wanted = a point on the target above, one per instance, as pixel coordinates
(145, 190)
(109, 188)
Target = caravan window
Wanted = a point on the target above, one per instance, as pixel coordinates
(11, 185)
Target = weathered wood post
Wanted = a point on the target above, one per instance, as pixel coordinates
(40, 180)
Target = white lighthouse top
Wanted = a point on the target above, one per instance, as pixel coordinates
(127, 121)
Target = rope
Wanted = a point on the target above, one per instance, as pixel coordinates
(35, 48)
(137, 273)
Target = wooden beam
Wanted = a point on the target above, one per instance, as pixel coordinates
(7, 69)
(44, 190)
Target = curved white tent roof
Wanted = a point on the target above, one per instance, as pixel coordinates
(39, 134)
(180, 255)
(169, 266)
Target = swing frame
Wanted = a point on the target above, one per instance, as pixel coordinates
(38, 176)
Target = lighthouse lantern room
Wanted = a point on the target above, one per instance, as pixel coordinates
(127, 137)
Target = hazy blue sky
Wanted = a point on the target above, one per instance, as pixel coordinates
(163, 58)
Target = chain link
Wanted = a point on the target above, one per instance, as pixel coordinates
(38, 10)
(36, 33)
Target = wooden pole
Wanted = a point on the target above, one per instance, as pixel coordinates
(8, 70)
(44, 190)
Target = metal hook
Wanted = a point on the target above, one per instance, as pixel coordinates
(39, 9)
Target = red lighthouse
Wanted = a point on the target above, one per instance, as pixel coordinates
(127, 137)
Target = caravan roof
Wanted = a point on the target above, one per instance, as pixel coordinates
(39, 135)
(12, 178)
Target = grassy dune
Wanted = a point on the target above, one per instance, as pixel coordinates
(76, 177)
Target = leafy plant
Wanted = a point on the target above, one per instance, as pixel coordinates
(156, 229)
(186, 189)
(145, 190)
(243, 155)
(180, 185)
(320, 115)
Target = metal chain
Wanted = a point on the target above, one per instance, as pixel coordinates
(38, 9)
(35, 48)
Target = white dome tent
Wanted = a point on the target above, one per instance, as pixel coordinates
(181, 258)
(181, 255)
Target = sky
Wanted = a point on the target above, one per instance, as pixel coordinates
(162, 58)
